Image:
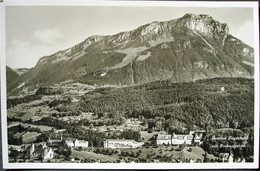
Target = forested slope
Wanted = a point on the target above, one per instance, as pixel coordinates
(192, 105)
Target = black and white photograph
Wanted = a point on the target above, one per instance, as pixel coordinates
(114, 84)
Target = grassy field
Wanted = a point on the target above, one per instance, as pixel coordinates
(92, 155)
(146, 136)
(148, 154)
(29, 111)
(42, 128)
(29, 137)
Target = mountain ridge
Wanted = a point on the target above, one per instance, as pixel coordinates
(185, 49)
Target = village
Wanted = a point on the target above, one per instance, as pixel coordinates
(174, 148)
(49, 129)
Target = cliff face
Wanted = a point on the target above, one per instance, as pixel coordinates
(185, 49)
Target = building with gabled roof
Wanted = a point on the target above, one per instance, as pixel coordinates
(55, 142)
(76, 143)
(197, 138)
(178, 139)
(40, 151)
(70, 143)
(80, 143)
(163, 139)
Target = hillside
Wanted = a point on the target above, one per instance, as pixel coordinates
(21, 71)
(180, 105)
(186, 49)
(11, 79)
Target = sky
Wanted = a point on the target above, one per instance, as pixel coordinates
(36, 31)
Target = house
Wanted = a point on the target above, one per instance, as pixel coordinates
(223, 156)
(222, 89)
(55, 142)
(197, 138)
(178, 139)
(48, 154)
(43, 145)
(77, 143)
(70, 143)
(240, 160)
(226, 157)
(40, 152)
(80, 143)
(230, 158)
(121, 143)
(163, 139)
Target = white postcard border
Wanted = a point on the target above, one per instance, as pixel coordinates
(8, 165)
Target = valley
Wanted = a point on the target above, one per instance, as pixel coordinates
(93, 114)
(178, 91)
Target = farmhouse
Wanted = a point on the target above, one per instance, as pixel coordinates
(121, 143)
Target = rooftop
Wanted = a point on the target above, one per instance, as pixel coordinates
(164, 136)
(120, 140)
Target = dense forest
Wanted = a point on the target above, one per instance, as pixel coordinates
(26, 99)
(191, 105)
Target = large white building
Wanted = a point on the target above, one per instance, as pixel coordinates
(181, 139)
(121, 143)
(77, 143)
(163, 139)
(178, 139)
(80, 143)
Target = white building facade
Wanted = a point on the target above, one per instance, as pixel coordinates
(121, 143)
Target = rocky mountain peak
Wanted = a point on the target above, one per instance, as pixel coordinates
(205, 25)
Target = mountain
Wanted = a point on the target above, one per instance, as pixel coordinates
(185, 49)
(11, 78)
(21, 71)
